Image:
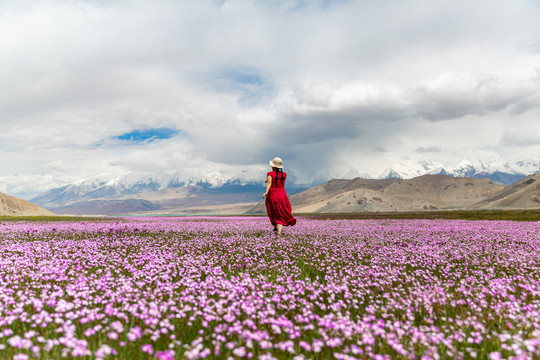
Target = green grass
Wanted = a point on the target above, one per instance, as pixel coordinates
(515, 215)
(54, 218)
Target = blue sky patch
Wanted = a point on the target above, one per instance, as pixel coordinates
(243, 77)
(148, 135)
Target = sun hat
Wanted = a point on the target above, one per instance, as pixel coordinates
(277, 163)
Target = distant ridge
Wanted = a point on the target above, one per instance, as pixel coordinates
(426, 192)
(12, 206)
(523, 194)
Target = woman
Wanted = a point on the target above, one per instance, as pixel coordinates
(278, 206)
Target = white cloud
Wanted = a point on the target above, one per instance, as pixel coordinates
(345, 84)
(428, 149)
(520, 138)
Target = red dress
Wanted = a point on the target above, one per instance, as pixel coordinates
(278, 205)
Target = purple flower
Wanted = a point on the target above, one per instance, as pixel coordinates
(165, 355)
(20, 357)
(147, 348)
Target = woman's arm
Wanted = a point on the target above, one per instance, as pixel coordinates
(268, 185)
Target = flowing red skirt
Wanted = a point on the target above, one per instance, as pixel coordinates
(278, 207)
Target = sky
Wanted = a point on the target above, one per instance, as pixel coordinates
(91, 87)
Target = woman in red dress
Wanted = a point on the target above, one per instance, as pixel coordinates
(278, 206)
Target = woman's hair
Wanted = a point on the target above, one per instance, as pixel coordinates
(278, 171)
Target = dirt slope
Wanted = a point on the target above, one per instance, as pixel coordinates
(524, 194)
(12, 206)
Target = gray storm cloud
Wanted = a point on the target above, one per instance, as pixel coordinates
(345, 84)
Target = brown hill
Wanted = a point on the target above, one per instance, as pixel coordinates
(12, 206)
(427, 192)
(524, 194)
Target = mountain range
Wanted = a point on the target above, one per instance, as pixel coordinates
(426, 192)
(176, 192)
(163, 193)
(503, 172)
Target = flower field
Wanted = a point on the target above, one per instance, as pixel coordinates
(214, 287)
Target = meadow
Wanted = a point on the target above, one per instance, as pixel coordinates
(226, 287)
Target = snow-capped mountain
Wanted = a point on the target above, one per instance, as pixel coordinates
(128, 185)
(496, 170)
(109, 186)
(353, 173)
(389, 173)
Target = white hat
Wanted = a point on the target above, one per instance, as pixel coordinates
(277, 163)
